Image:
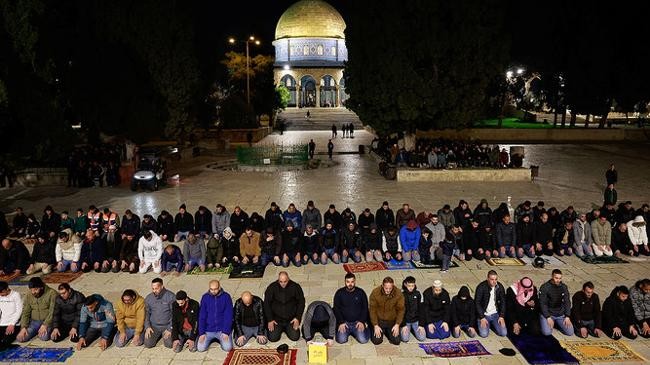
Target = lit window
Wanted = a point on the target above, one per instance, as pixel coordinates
(305, 50)
(319, 50)
(333, 51)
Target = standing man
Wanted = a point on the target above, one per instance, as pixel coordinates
(611, 175)
(130, 319)
(185, 322)
(38, 310)
(555, 305)
(351, 311)
(158, 315)
(333, 131)
(387, 310)
(284, 303)
(215, 318)
(249, 319)
(491, 306)
(330, 148)
(311, 148)
(11, 307)
(585, 312)
(97, 319)
(67, 310)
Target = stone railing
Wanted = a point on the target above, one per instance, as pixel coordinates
(42, 176)
(463, 175)
(550, 135)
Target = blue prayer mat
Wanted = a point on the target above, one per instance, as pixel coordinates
(33, 354)
(454, 349)
(398, 265)
(542, 350)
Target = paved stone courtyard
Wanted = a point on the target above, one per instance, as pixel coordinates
(569, 174)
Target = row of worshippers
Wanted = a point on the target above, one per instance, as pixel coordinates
(388, 312)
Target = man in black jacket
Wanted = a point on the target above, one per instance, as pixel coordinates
(14, 257)
(384, 216)
(522, 313)
(555, 305)
(183, 222)
(351, 311)
(463, 313)
(130, 224)
(618, 315)
(284, 303)
(543, 236)
(249, 319)
(436, 311)
(185, 314)
(67, 309)
(491, 306)
(585, 312)
(43, 258)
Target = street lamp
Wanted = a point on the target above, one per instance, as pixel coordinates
(250, 39)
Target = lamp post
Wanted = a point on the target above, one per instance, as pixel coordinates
(250, 39)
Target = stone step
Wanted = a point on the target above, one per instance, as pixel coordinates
(320, 118)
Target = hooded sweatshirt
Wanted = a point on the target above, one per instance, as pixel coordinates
(640, 302)
(409, 236)
(150, 251)
(636, 229)
(617, 313)
(130, 315)
(215, 313)
(102, 318)
(463, 311)
(69, 250)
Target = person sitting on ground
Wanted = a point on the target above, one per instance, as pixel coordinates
(271, 248)
(130, 224)
(601, 234)
(436, 311)
(292, 215)
(640, 297)
(148, 224)
(555, 305)
(185, 322)
(384, 217)
(491, 306)
(311, 216)
(129, 316)
(93, 252)
(506, 237)
(486, 241)
(426, 247)
(249, 247)
(284, 303)
(391, 245)
(203, 221)
(329, 243)
(525, 236)
(543, 236)
(636, 229)
(11, 307)
(404, 215)
(387, 310)
(471, 245)
(220, 219)
(194, 252)
(523, 310)
(19, 224)
(38, 310)
(215, 318)
(585, 312)
(563, 239)
(150, 250)
(158, 315)
(230, 246)
(319, 318)
(438, 231)
(96, 320)
(14, 257)
(409, 236)
(183, 223)
(113, 247)
(350, 243)
(413, 320)
(448, 247)
(166, 228)
(463, 313)
(172, 261)
(33, 227)
(618, 315)
(351, 311)
(310, 246)
(80, 223)
(365, 220)
(66, 221)
(582, 237)
(249, 320)
(67, 309)
(43, 255)
(129, 259)
(291, 248)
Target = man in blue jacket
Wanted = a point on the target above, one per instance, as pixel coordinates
(215, 318)
(97, 319)
(409, 236)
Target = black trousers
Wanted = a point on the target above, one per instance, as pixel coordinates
(293, 334)
(64, 331)
(386, 329)
(323, 330)
(5, 339)
(94, 333)
(625, 331)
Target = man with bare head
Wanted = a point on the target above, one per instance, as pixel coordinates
(284, 303)
(215, 318)
(249, 319)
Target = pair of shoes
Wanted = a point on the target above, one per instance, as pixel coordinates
(443, 271)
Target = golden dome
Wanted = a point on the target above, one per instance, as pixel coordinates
(310, 18)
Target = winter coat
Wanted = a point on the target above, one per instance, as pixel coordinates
(463, 312)
(310, 243)
(39, 309)
(523, 315)
(462, 216)
(617, 313)
(482, 299)
(409, 239)
(130, 226)
(412, 307)
(386, 308)
(250, 246)
(638, 234)
(559, 238)
(401, 217)
(203, 222)
(130, 315)
(295, 217)
(601, 233)
(506, 235)
(113, 247)
(70, 250)
(166, 226)
(309, 314)
(238, 222)
(93, 251)
(436, 307)
(291, 241)
(175, 257)
(446, 218)
(274, 218)
(525, 233)
(335, 218)
(312, 217)
(366, 221)
(103, 317)
(220, 221)
(554, 300)
(51, 223)
(542, 232)
(586, 309)
(284, 304)
(329, 239)
(215, 313)
(640, 302)
(258, 309)
(178, 318)
(17, 254)
(582, 232)
(483, 215)
(158, 309)
(384, 218)
(391, 243)
(184, 222)
(194, 251)
(350, 240)
(67, 311)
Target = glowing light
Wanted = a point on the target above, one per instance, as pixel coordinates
(509, 74)
(520, 71)
(287, 67)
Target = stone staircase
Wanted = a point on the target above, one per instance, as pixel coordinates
(320, 119)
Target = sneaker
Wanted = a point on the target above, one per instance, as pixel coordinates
(442, 271)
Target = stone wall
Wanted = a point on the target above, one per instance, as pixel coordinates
(556, 135)
(463, 175)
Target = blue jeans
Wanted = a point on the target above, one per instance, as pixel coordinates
(182, 235)
(226, 345)
(195, 262)
(412, 327)
(330, 253)
(266, 259)
(130, 333)
(463, 328)
(559, 323)
(32, 331)
(438, 331)
(446, 261)
(66, 265)
(169, 266)
(250, 332)
(589, 325)
(352, 255)
(360, 336)
(527, 251)
(493, 321)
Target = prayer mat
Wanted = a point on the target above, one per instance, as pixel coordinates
(215, 271)
(247, 272)
(398, 265)
(549, 261)
(61, 277)
(8, 278)
(542, 350)
(506, 261)
(454, 349)
(434, 265)
(601, 351)
(32, 354)
(603, 260)
(260, 357)
(364, 267)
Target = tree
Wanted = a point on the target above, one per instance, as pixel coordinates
(284, 95)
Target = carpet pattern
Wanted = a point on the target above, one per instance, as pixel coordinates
(260, 357)
(603, 260)
(542, 350)
(61, 277)
(247, 272)
(435, 265)
(10, 277)
(398, 265)
(454, 349)
(506, 261)
(601, 351)
(364, 267)
(30, 354)
(217, 271)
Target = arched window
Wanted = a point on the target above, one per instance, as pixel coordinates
(319, 50)
(333, 51)
(305, 50)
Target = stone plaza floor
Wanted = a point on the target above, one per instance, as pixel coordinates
(569, 174)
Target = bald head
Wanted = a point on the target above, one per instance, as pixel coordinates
(215, 286)
(247, 298)
(283, 279)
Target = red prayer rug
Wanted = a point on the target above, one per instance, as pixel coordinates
(61, 277)
(260, 357)
(10, 277)
(364, 267)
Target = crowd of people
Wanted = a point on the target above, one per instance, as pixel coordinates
(180, 321)
(443, 153)
(95, 165)
(103, 241)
